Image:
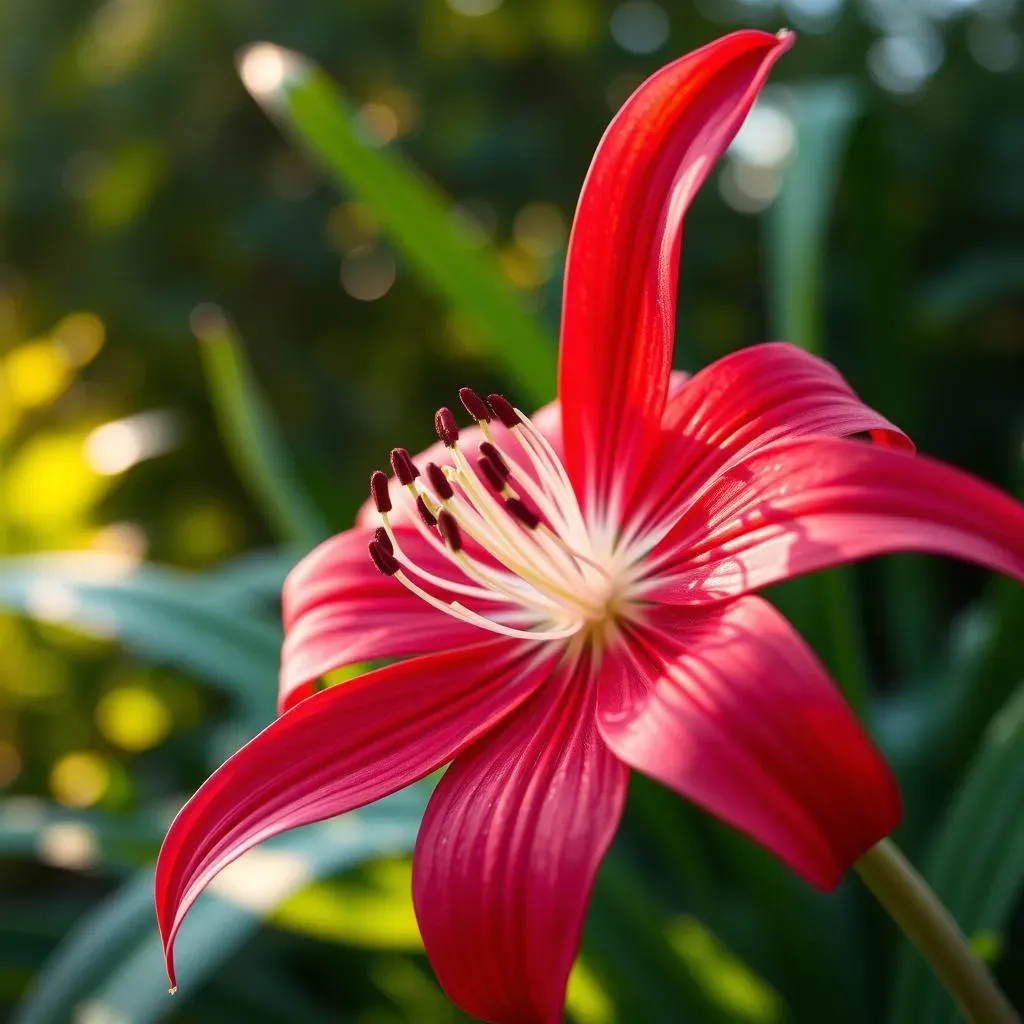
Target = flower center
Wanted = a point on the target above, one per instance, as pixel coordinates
(510, 532)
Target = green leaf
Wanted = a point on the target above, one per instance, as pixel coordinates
(823, 114)
(112, 963)
(160, 614)
(976, 864)
(414, 214)
(250, 434)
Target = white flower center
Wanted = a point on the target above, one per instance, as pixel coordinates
(531, 567)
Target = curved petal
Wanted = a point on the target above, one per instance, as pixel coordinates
(508, 851)
(618, 314)
(338, 610)
(798, 506)
(340, 749)
(547, 419)
(732, 710)
(742, 402)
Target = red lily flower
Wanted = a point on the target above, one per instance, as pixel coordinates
(579, 600)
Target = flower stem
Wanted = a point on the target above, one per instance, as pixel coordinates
(930, 927)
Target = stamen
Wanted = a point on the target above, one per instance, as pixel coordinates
(380, 535)
(493, 455)
(449, 528)
(503, 409)
(446, 427)
(383, 559)
(380, 492)
(439, 482)
(405, 469)
(474, 405)
(521, 512)
(426, 515)
(491, 475)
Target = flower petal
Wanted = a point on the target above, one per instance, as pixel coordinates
(618, 315)
(797, 506)
(340, 749)
(508, 851)
(742, 402)
(733, 711)
(339, 609)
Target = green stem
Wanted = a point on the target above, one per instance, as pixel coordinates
(929, 926)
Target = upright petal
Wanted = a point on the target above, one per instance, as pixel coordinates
(731, 709)
(797, 506)
(742, 402)
(618, 314)
(508, 851)
(339, 610)
(340, 749)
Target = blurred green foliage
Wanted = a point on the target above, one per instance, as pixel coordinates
(146, 201)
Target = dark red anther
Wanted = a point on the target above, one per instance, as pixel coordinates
(494, 479)
(439, 482)
(383, 559)
(380, 536)
(495, 458)
(474, 404)
(405, 469)
(379, 491)
(502, 408)
(425, 514)
(519, 510)
(446, 427)
(449, 529)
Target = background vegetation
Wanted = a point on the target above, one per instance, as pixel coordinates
(871, 211)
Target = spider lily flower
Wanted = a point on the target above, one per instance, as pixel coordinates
(569, 597)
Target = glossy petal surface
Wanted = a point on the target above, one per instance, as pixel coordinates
(618, 314)
(508, 851)
(732, 710)
(798, 506)
(338, 750)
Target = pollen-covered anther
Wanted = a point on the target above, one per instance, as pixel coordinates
(446, 427)
(494, 479)
(439, 482)
(474, 405)
(383, 559)
(380, 536)
(522, 512)
(380, 492)
(424, 511)
(449, 529)
(494, 456)
(405, 469)
(504, 410)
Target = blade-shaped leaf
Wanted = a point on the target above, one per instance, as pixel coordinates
(250, 434)
(976, 865)
(413, 213)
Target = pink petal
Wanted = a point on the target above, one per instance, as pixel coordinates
(798, 506)
(339, 610)
(508, 851)
(618, 319)
(732, 710)
(547, 419)
(743, 402)
(340, 749)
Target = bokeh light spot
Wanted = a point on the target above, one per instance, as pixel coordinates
(10, 763)
(133, 718)
(79, 779)
(540, 229)
(68, 844)
(474, 8)
(368, 272)
(640, 26)
(37, 372)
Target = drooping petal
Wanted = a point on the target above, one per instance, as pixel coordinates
(340, 749)
(618, 314)
(742, 402)
(732, 710)
(508, 851)
(338, 610)
(798, 506)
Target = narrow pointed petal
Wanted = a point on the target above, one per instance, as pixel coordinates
(340, 749)
(733, 711)
(508, 851)
(618, 314)
(742, 402)
(339, 610)
(798, 506)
